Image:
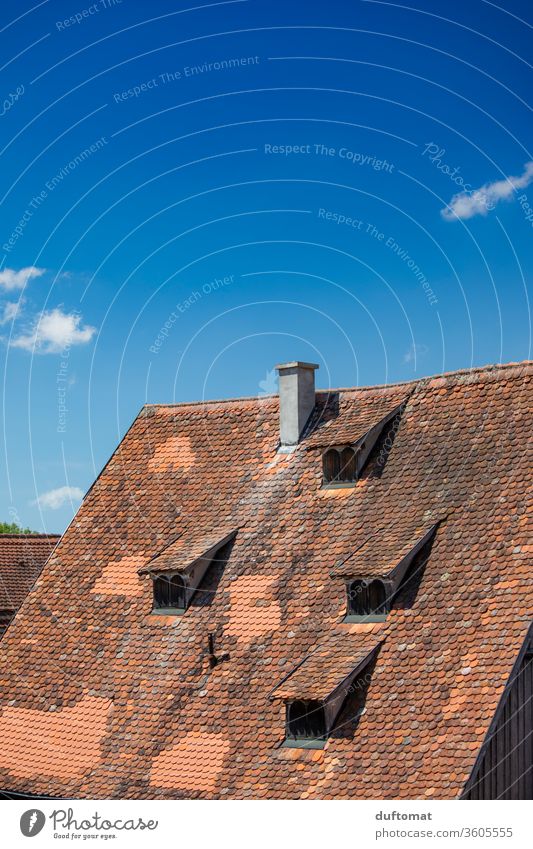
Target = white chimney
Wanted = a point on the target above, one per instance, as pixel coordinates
(296, 400)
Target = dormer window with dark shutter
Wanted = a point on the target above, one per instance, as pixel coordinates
(322, 684)
(382, 567)
(347, 444)
(169, 594)
(340, 465)
(369, 600)
(178, 570)
(305, 721)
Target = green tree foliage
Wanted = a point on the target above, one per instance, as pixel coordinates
(12, 528)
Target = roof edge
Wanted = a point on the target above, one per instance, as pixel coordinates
(30, 536)
(491, 369)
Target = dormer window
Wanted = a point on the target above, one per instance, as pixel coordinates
(340, 465)
(305, 721)
(368, 600)
(347, 446)
(319, 687)
(169, 593)
(178, 570)
(382, 567)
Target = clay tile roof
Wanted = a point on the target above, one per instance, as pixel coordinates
(189, 547)
(335, 423)
(328, 665)
(22, 556)
(119, 702)
(383, 551)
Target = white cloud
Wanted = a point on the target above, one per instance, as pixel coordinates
(11, 279)
(483, 200)
(53, 332)
(56, 498)
(8, 311)
(414, 352)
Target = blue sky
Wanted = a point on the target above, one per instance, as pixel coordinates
(191, 195)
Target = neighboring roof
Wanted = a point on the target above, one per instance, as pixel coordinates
(22, 556)
(328, 665)
(190, 546)
(385, 549)
(85, 653)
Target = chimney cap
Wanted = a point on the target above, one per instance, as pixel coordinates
(296, 364)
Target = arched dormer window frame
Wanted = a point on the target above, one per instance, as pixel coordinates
(306, 723)
(341, 465)
(170, 593)
(368, 599)
(178, 569)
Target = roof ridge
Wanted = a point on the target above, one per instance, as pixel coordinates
(490, 368)
(213, 401)
(29, 536)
